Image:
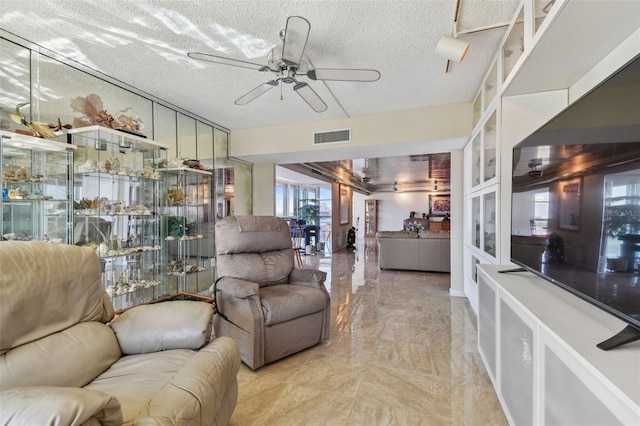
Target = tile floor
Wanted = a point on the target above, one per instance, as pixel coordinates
(401, 352)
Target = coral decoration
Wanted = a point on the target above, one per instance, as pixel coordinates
(94, 112)
(130, 120)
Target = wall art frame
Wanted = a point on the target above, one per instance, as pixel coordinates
(344, 204)
(439, 205)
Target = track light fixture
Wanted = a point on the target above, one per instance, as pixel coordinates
(395, 186)
(452, 48)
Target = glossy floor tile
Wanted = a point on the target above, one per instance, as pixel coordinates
(401, 352)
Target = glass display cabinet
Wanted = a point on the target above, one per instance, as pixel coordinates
(189, 217)
(117, 195)
(370, 218)
(36, 188)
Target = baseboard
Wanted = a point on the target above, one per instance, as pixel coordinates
(456, 293)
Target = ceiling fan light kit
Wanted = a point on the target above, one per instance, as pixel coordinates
(287, 62)
(452, 48)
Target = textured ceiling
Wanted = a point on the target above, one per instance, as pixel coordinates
(144, 44)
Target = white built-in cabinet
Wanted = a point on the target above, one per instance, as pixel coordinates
(538, 343)
(483, 184)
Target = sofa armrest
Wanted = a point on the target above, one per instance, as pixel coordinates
(176, 324)
(48, 405)
(310, 277)
(236, 287)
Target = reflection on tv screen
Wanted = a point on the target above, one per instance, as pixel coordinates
(576, 197)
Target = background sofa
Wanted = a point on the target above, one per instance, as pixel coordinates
(62, 363)
(403, 250)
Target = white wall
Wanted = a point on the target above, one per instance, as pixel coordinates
(394, 208)
(432, 129)
(358, 211)
(264, 189)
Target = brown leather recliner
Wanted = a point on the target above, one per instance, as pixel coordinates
(270, 308)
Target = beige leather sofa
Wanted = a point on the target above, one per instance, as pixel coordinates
(62, 362)
(402, 250)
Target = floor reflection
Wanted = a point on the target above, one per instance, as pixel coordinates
(402, 351)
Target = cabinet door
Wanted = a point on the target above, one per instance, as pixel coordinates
(190, 222)
(36, 189)
(516, 354)
(487, 323)
(117, 204)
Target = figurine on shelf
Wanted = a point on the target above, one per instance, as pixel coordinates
(86, 166)
(58, 127)
(175, 195)
(37, 129)
(22, 174)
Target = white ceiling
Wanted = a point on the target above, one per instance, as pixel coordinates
(145, 44)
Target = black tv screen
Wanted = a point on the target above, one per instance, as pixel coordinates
(576, 199)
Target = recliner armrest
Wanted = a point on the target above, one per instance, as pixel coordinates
(237, 287)
(47, 405)
(177, 324)
(307, 276)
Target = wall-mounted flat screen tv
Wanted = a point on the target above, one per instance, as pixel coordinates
(576, 200)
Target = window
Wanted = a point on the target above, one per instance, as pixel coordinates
(540, 223)
(280, 200)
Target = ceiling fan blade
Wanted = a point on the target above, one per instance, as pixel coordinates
(336, 74)
(295, 39)
(258, 91)
(226, 61)
(310, 96)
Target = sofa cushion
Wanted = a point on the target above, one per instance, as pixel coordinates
(284, 302)
(178, 324)
(136, 379)
(396, 234)
(37, 276)
(58, 406)
(178, 387)
(72, 357)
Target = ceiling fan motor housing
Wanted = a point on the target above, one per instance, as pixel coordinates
(278, 66)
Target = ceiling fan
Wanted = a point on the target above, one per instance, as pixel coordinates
(287, 62)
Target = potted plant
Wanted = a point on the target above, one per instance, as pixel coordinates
(309, 211)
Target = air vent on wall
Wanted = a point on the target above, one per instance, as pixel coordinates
(332, 136)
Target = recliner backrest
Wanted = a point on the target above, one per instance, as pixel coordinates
(254, 248)
(46, 288)
(53, 310)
